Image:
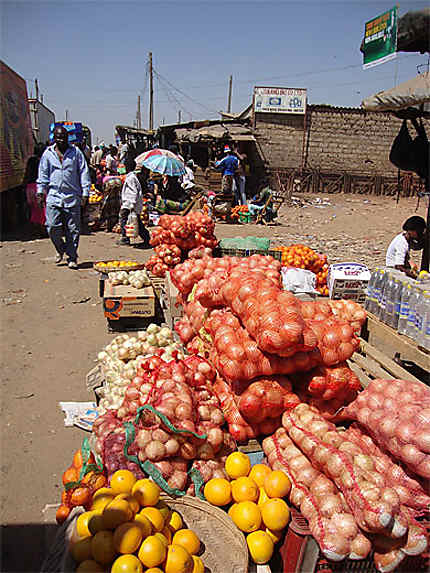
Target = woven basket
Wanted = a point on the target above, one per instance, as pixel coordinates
(225, 548)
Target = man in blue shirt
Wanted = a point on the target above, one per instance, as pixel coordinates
(228, 165)
(64, 183)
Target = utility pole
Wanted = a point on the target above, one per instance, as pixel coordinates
(229, 94)
(179, 117)
(36, 83)
(151, 95)
(67, 114)
(139, 117)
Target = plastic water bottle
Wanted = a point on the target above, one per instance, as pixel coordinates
(411, 323)
(404, 307)
(382, 297)
(424, 334)
(370, 295)
(388, 301)
(397, 296)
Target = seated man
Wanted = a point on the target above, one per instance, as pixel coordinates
(259, 200)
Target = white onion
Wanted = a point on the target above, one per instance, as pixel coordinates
(155, 450)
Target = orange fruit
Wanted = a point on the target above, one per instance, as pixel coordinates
(246, 516)
(260, 546)
(262, 497)
(175, 522)
(102, 547)
(164, 509)
(275, 536)
(218, 491)
(178, 560)
(275, 513)
(144, 524)
(116, 512)
(167, 532)
(244, 489)
(90, 566)
(81, 550)
(258, 473)
(277, 484)
(237, 465)
(127, 564)
(127, 537)
(146, 492)
(188, 539)
(152, 552)
(154, 570)
(155, 517)
(122, 481)
(71, 474)
(162, 538)
(62, 514)
(95, 522)
(198, 565)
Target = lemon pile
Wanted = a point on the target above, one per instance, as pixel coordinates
(257, 508)
(130, 530)
(117, 265)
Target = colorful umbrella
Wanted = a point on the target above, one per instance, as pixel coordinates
(161, 161)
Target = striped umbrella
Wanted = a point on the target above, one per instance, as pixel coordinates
(161, 161)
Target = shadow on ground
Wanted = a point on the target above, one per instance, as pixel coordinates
(23, 546)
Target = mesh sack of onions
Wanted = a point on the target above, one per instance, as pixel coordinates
(237, 356)
(375, 505)
(196, 314)
(184, 329)
(410, 490)
(315, 310)
(330, 520)
(239, 429)
(330, 382)
(336, 340)
(397, 415)
(199, 347)
(170, 255)
(200, 252)
(202, 223)
(267, 398)
(156, 266)
(349, 311)
(208, 469)
(161, 236)
(174, 471)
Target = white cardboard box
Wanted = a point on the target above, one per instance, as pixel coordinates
(348, 280)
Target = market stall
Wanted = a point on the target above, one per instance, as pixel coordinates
(245, 424)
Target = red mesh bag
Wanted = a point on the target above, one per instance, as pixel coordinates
(349, 311)
(375, 505)
(267, 398)
(315, 310)
(330, 520)
(330, 382)
(397, 415)
(336, 340)
(184, 329)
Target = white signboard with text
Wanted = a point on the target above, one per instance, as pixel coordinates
(279, 100)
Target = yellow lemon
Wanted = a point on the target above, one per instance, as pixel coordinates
(178, 560)
(144, 524)
(237, 465)
(260, 546)
(82, 524)
(131, 500)
(162, 538)
(146, 492)
(127, 537)
(275, 513)
(116, 512)
(154, 570)
(246, 516)
(258, 473)
(90, 566)
(102, 547)
(277, 484)
(187, 539)
(122, 481)
(198, 565)
(164, 509)
(102, 497)
(244, 489)
(175, 522)
(127, 564)
(152, 552)
(81, 550)
(167, 532)
(218, 491)
(155, 517)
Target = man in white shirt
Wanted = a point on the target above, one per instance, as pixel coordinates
(397, 255)
(132, 201)
(187, 179)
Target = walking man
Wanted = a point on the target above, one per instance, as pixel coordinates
(228, 166)
(132, 201)
(64, 183)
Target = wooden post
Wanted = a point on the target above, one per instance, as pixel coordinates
(229, 94)
(139, 117)
(151, 95)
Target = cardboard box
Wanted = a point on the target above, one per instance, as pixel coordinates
(172, 310)
(348, 281)
(125, 301)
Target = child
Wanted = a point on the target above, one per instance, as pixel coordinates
(412, 237)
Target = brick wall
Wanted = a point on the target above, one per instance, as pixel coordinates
(336, 139)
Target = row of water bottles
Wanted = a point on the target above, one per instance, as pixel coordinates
(400, 302)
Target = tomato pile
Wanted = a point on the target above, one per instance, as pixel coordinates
(176, 236)
(237, 211)
(303, 257)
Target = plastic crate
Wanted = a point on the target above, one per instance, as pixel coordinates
(225, 252)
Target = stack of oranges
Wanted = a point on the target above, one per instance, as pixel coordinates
(130, 530)
(303, 257)
(254, 495)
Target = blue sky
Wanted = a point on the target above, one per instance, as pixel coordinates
(91, 57)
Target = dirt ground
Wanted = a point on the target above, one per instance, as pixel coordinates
(52, 327)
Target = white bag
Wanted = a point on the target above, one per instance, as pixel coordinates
(299, 280)
(132, 226)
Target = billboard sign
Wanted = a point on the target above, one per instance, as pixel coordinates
(380, 39)
(279, 100)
